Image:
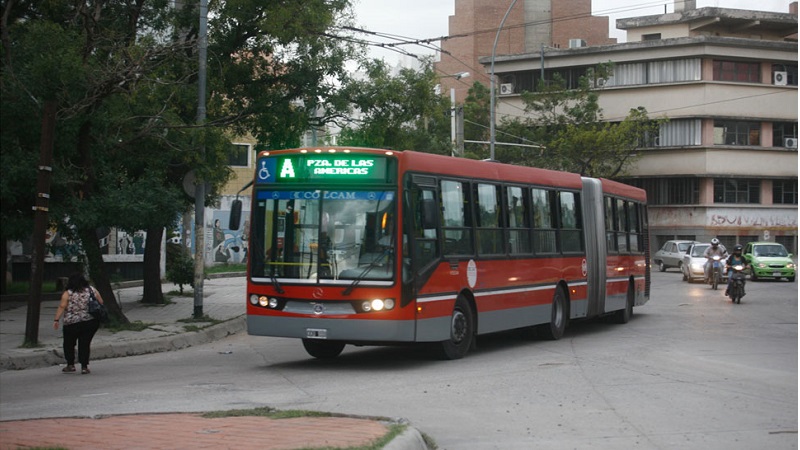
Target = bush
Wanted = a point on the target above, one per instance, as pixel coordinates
(180, 269)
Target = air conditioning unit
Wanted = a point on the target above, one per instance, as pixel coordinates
(506, 89)
(779, 78)
(790, 142)
(598, 82)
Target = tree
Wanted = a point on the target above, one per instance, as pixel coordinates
(123, 75)
(402, 111)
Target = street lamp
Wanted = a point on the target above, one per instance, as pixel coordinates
(457, 76)
(492, 93)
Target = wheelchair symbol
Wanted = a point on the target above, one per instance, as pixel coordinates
(263, 173)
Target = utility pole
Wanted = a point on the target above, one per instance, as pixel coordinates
(41, 209)
(200, 183)
(492, 93)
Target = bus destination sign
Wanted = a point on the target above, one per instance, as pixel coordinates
(308, 168)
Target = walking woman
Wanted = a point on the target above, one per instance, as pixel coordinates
(79, 325)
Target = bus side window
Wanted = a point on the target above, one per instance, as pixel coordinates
(570, 223)
(425, 227)
(544, 230)
(518, 226)
(456, 218)
(633, 226)
(490, 235)
(608, 207)
(622, 235)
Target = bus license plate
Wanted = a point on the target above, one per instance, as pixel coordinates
(316, 333)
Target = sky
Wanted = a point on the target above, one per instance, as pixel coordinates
(424, 19)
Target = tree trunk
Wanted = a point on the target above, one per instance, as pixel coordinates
(152, 267)
(99, 276)
(4, 265)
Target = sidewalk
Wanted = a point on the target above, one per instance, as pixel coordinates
(223, 299)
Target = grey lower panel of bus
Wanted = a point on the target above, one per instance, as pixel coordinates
(615, 302)
(336, 329)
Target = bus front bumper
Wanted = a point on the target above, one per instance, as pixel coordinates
(332, 329)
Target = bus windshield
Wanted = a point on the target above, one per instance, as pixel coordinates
(310, 236)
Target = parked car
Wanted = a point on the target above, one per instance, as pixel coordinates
(769, 260)
(693, 262)
(671, 254)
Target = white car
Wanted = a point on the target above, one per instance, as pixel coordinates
(693, 262)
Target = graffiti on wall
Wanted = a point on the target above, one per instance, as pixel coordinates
(752, 221)
(227, 246)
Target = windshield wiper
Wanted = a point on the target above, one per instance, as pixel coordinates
(275, 282)
(366, 270)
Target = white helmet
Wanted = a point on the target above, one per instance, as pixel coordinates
(715, 242)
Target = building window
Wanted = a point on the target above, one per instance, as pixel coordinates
(673, 71)
(679, 132)
(729, 132)
(669, 191)
(730, 190)
(239, 155)
(738, 71)
(651, 37)
(784, 134)
(784, 192)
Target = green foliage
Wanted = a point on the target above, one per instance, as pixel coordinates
(180, 270)
(401, 111)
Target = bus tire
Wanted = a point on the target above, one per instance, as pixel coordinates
(462, 331)
(624, 315)
(323, 349)
(558, 318)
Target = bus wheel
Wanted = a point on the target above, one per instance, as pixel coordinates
(558, 318)
(462, 331)
(624, 315)
(323, 349)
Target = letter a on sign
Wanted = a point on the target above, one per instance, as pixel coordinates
(287, 170)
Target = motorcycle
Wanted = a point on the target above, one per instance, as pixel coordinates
(736, 291)
(716, 271)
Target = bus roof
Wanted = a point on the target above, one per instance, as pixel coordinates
(470, 168)
(623, 190)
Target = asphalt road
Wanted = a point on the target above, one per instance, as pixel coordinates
(690, 371)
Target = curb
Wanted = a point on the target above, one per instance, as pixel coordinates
(54, 356)
(408, 439)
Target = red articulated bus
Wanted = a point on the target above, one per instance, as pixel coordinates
(376, 247)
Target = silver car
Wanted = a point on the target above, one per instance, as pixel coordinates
(693, 262)
(671, 254)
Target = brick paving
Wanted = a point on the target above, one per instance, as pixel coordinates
(189, 431)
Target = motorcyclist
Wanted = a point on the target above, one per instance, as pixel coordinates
(715, 249)
(735, 259)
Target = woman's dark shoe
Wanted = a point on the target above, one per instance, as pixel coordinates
(85, 370)
(68, 369)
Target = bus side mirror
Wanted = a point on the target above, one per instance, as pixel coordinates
(428, 213)
(236, 215)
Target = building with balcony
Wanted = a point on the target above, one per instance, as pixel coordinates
(725, 164)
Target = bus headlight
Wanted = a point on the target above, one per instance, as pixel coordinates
(263, 301)
(253, 299)
(378, 304)
(273, 302)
